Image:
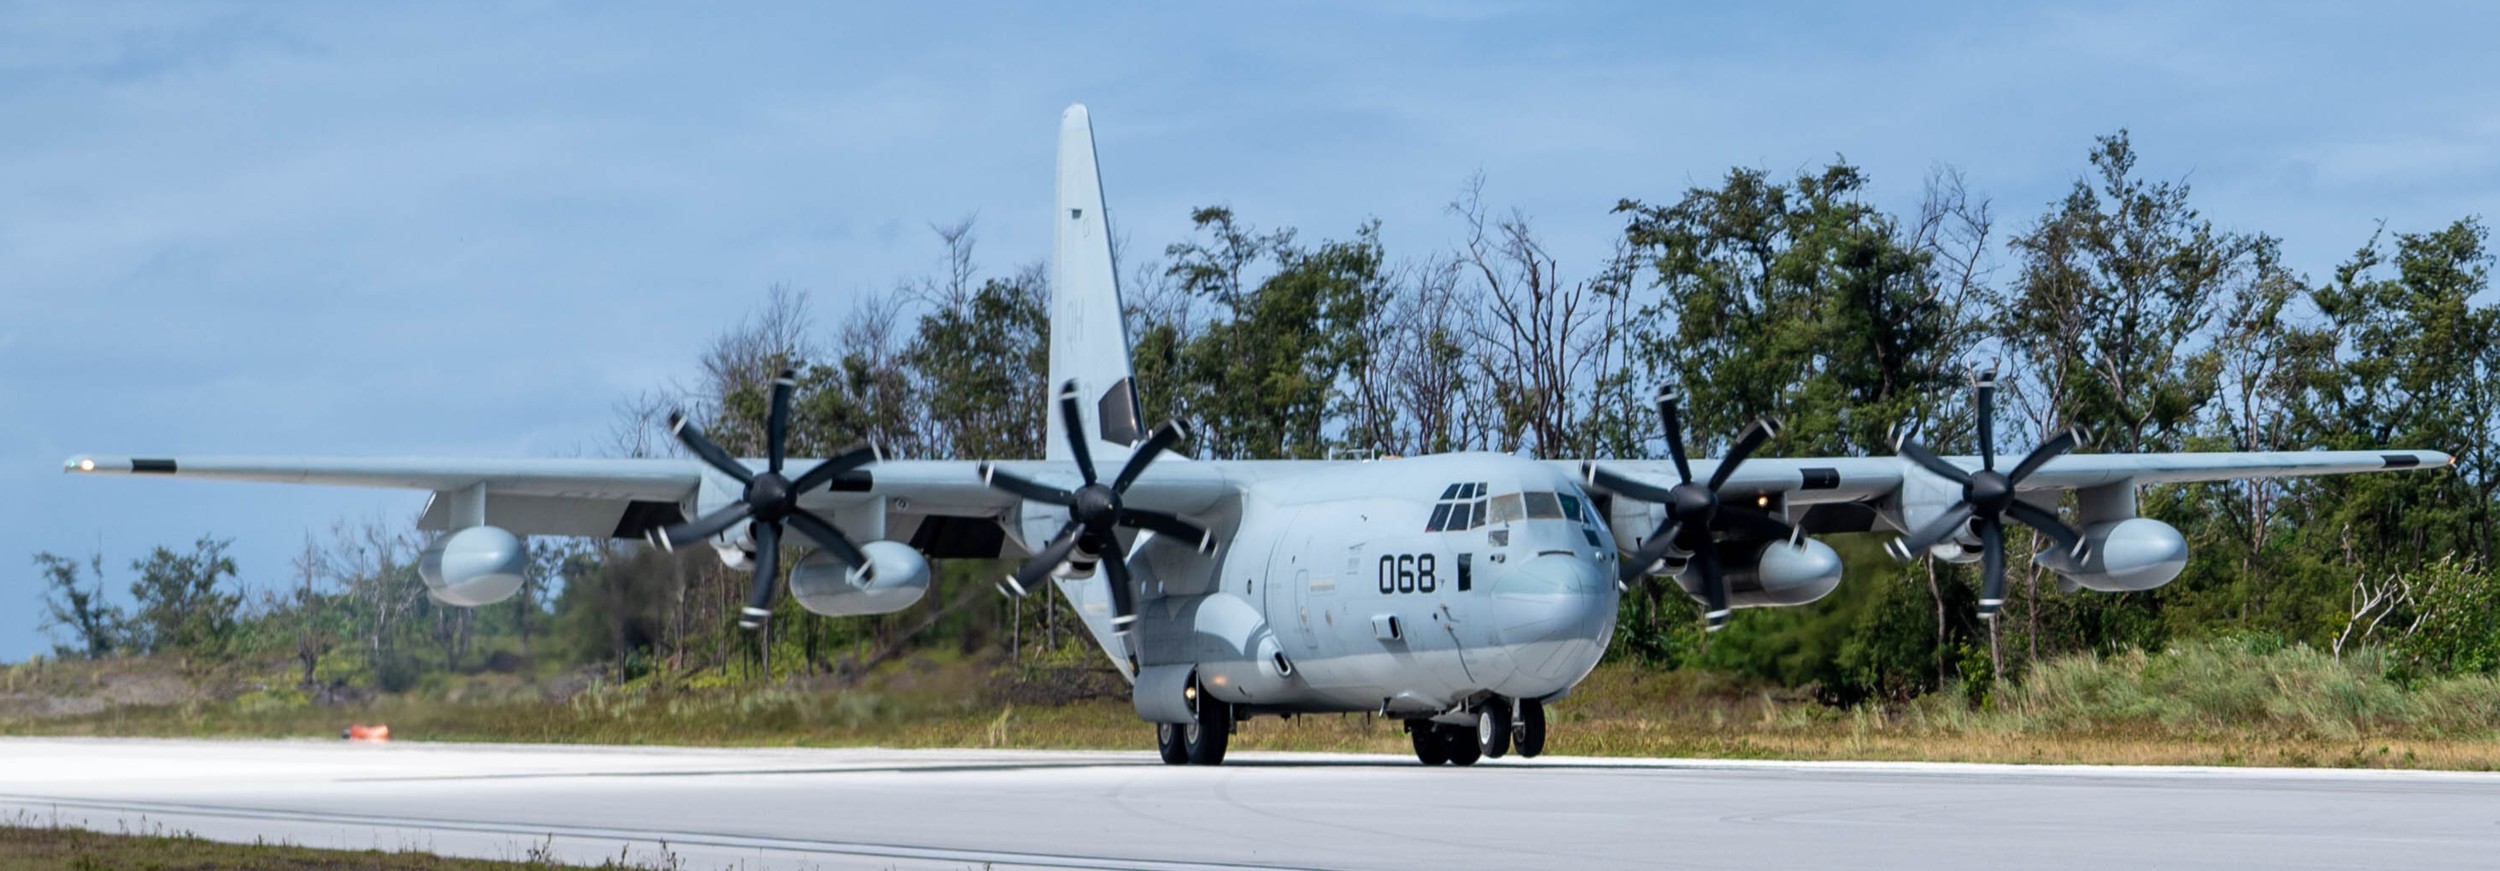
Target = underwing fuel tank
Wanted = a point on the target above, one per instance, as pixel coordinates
(480, 565)
(2129, 555)
(1777, 574)
(898, 576)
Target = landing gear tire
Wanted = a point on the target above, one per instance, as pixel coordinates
(1169, 742)
(1493, 729)
(1204, 741)
(1460, 743)
(1431, 748)
(1529, 734)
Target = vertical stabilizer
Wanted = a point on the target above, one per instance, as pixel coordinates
(1088, 337)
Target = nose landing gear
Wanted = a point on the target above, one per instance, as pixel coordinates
(1528, 734)
(1502, 726)
(1493, 728)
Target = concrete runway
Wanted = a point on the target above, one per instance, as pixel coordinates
(778, 808)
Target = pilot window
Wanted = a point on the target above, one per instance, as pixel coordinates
(1461, 508)
(1509, 507)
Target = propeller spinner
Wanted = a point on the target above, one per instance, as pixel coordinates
(1095, 512)
(1694, 509)
(770, 501)
(1988, 499)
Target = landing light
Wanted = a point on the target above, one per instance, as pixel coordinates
(1762, 501)
(1190, 693)
(89, 465)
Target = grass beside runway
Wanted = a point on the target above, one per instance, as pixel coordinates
(2199, 705)
(45, 847)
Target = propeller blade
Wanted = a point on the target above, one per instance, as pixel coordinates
(1907, 548)
(824, 534)
(1622, 486)
(1986, 385)
(1918, 453)
(860, 455)
(777, 421)
(1991, 568)
(1755, 433)
(1671, 421)
(1713, 587)
(1025, 487)
(1155, 445)
(2069, 440)
(1651, 551)
(1030, 576)
(1169, 525)
(1123, 594)
(700, 528)
(767, 565)
(1070, 415)
(1749, 523)
(692, 437)
(2048, 524)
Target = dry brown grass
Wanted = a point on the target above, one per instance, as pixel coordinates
(2202, 705)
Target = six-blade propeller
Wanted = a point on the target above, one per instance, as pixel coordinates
(769, 501)
(1989, 499)
(1095, 513)
(1694, 509)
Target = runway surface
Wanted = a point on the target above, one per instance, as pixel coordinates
(783, 808)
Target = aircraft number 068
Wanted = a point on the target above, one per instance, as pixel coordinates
(1408, 573)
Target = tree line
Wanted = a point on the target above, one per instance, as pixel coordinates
(2119, 308)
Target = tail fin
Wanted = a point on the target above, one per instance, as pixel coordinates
(1088, 335)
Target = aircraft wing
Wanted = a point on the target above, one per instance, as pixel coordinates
(940, 505)
(1851, 479)
(1857, 494)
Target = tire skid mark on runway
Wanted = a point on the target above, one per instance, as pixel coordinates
(741, 842)
(1503, 845)
(1122, 795)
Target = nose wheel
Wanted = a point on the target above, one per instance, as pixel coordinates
(1528, 734)
(1493, 729)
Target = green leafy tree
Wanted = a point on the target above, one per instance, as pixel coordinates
(184, 604)
(981, 366)
(97, 628)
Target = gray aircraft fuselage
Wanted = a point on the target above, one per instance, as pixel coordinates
(1410, 587)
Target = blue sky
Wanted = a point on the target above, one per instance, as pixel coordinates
(472, 229)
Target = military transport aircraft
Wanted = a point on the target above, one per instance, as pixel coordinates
(1458, 592)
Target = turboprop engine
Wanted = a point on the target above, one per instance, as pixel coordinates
(480, 565)
(897, 576)
(1774, 575)
(2128, 555)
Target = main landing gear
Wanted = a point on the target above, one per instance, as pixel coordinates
(1499, 730)
(1199, 743)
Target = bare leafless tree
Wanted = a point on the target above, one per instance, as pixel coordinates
(1546, 341)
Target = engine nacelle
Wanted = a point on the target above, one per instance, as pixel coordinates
(1775, 575)
(480, 565)
(825, 585)
(2129, 555)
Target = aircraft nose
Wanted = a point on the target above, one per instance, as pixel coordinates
(1549, 597)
